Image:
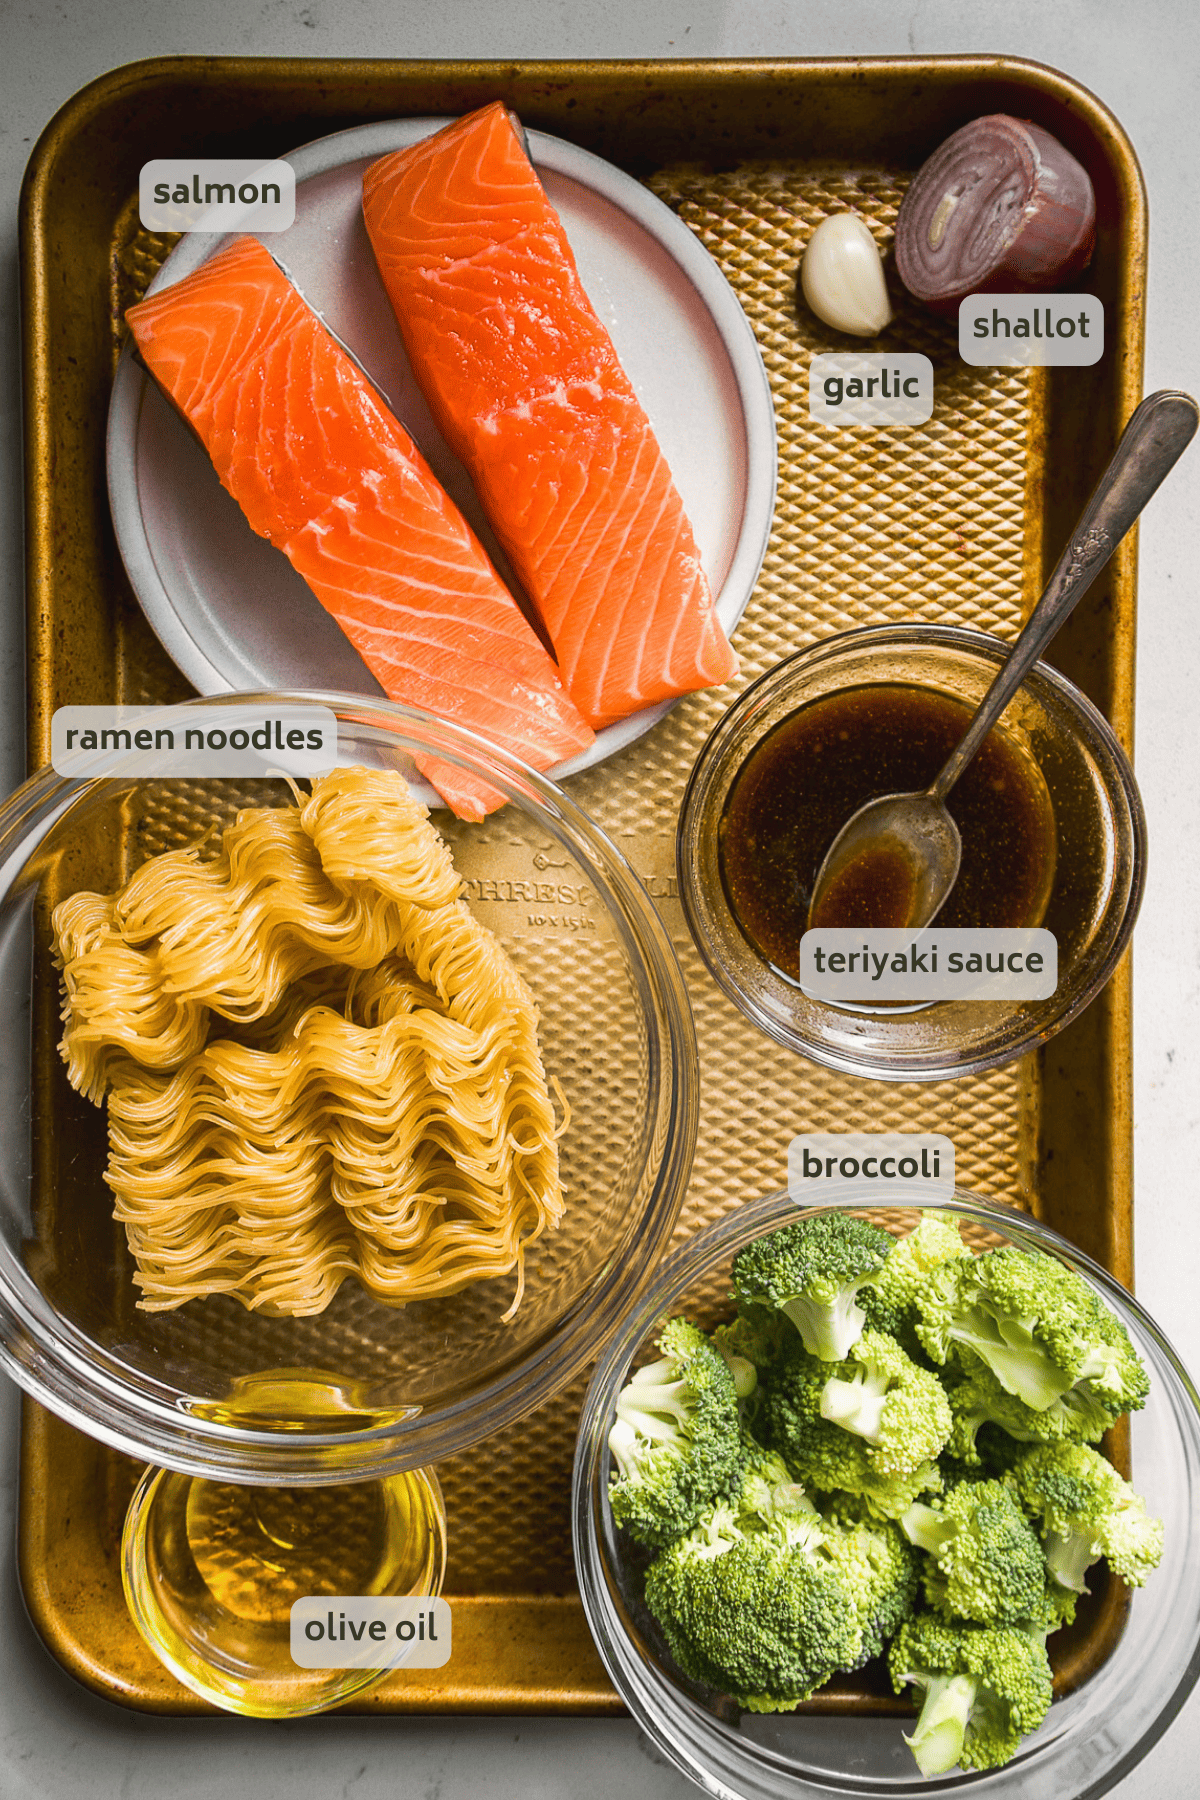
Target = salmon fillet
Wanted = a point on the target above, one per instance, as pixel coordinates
(320, 467)
(525, 384)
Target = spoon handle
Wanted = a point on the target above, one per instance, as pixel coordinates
(1156, 436)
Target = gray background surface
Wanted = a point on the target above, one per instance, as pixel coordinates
(1143, 60)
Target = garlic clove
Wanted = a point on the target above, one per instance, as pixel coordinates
(842, 276)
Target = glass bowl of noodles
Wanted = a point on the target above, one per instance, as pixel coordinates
(399, 1117)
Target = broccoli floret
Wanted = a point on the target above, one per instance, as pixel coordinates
(749, 1603)
(896, 1407)
(978, 1400)
(878, 1566)
(812, 1271)
(984, 1690)
(769, 1493)
(954, 1469)
(889, 1298)
(1037, 1325)
(985, 1561)
(1056, 1610)
(1085, 1510)
(759, 1335)
(750, 1343)
(825, 1456)
(676, 1440)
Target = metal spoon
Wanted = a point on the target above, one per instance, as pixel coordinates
(914, 832)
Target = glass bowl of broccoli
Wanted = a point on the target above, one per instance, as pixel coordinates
(871, 1501)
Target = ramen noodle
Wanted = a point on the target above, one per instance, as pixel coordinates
(290, 890)
(317, 1062)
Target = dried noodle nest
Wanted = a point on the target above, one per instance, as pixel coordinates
(317, 1062)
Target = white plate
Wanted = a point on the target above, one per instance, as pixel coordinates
(229, 607)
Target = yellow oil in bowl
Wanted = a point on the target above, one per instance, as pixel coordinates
(211, 1570)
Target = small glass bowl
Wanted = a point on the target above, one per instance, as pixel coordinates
(1121, 1676)
(1099, 875)
(211, 1570)
(416, 1384)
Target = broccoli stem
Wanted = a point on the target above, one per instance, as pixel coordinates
(649, 1411)
(1017, 1363)
(666, 1369)
(856, 1405)
(667, 1400)
(937, 1742)
(627, 1441)
(925, 1527)
(745, 1375)
(1069, 1558)
(829, 1331)
(657, 1401)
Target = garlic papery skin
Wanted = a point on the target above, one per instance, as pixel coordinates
(842, 276)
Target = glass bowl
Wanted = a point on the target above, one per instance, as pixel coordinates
(410, 1385)
(1121, 1674)
(210, 1572)
(1099, 868)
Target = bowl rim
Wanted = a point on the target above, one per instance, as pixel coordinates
(678, 1736)
(58, 1365)
(943, 1065)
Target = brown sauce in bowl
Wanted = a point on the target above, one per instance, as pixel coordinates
(798, 787)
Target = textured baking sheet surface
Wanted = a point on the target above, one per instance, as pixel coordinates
(925, 523)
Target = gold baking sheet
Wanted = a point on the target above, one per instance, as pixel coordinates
(954, 521)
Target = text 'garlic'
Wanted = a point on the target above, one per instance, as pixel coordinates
(842, 277)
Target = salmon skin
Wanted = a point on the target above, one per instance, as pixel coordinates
(319, 466)
(524, 383)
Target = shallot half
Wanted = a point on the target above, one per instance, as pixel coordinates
(1001, 206)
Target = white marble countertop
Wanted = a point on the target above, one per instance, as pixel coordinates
(1143, 60)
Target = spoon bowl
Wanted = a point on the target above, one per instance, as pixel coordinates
(894, 861)
(897, 858)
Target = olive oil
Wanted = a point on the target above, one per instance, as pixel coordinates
(211, 1568)
(258, 1549)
